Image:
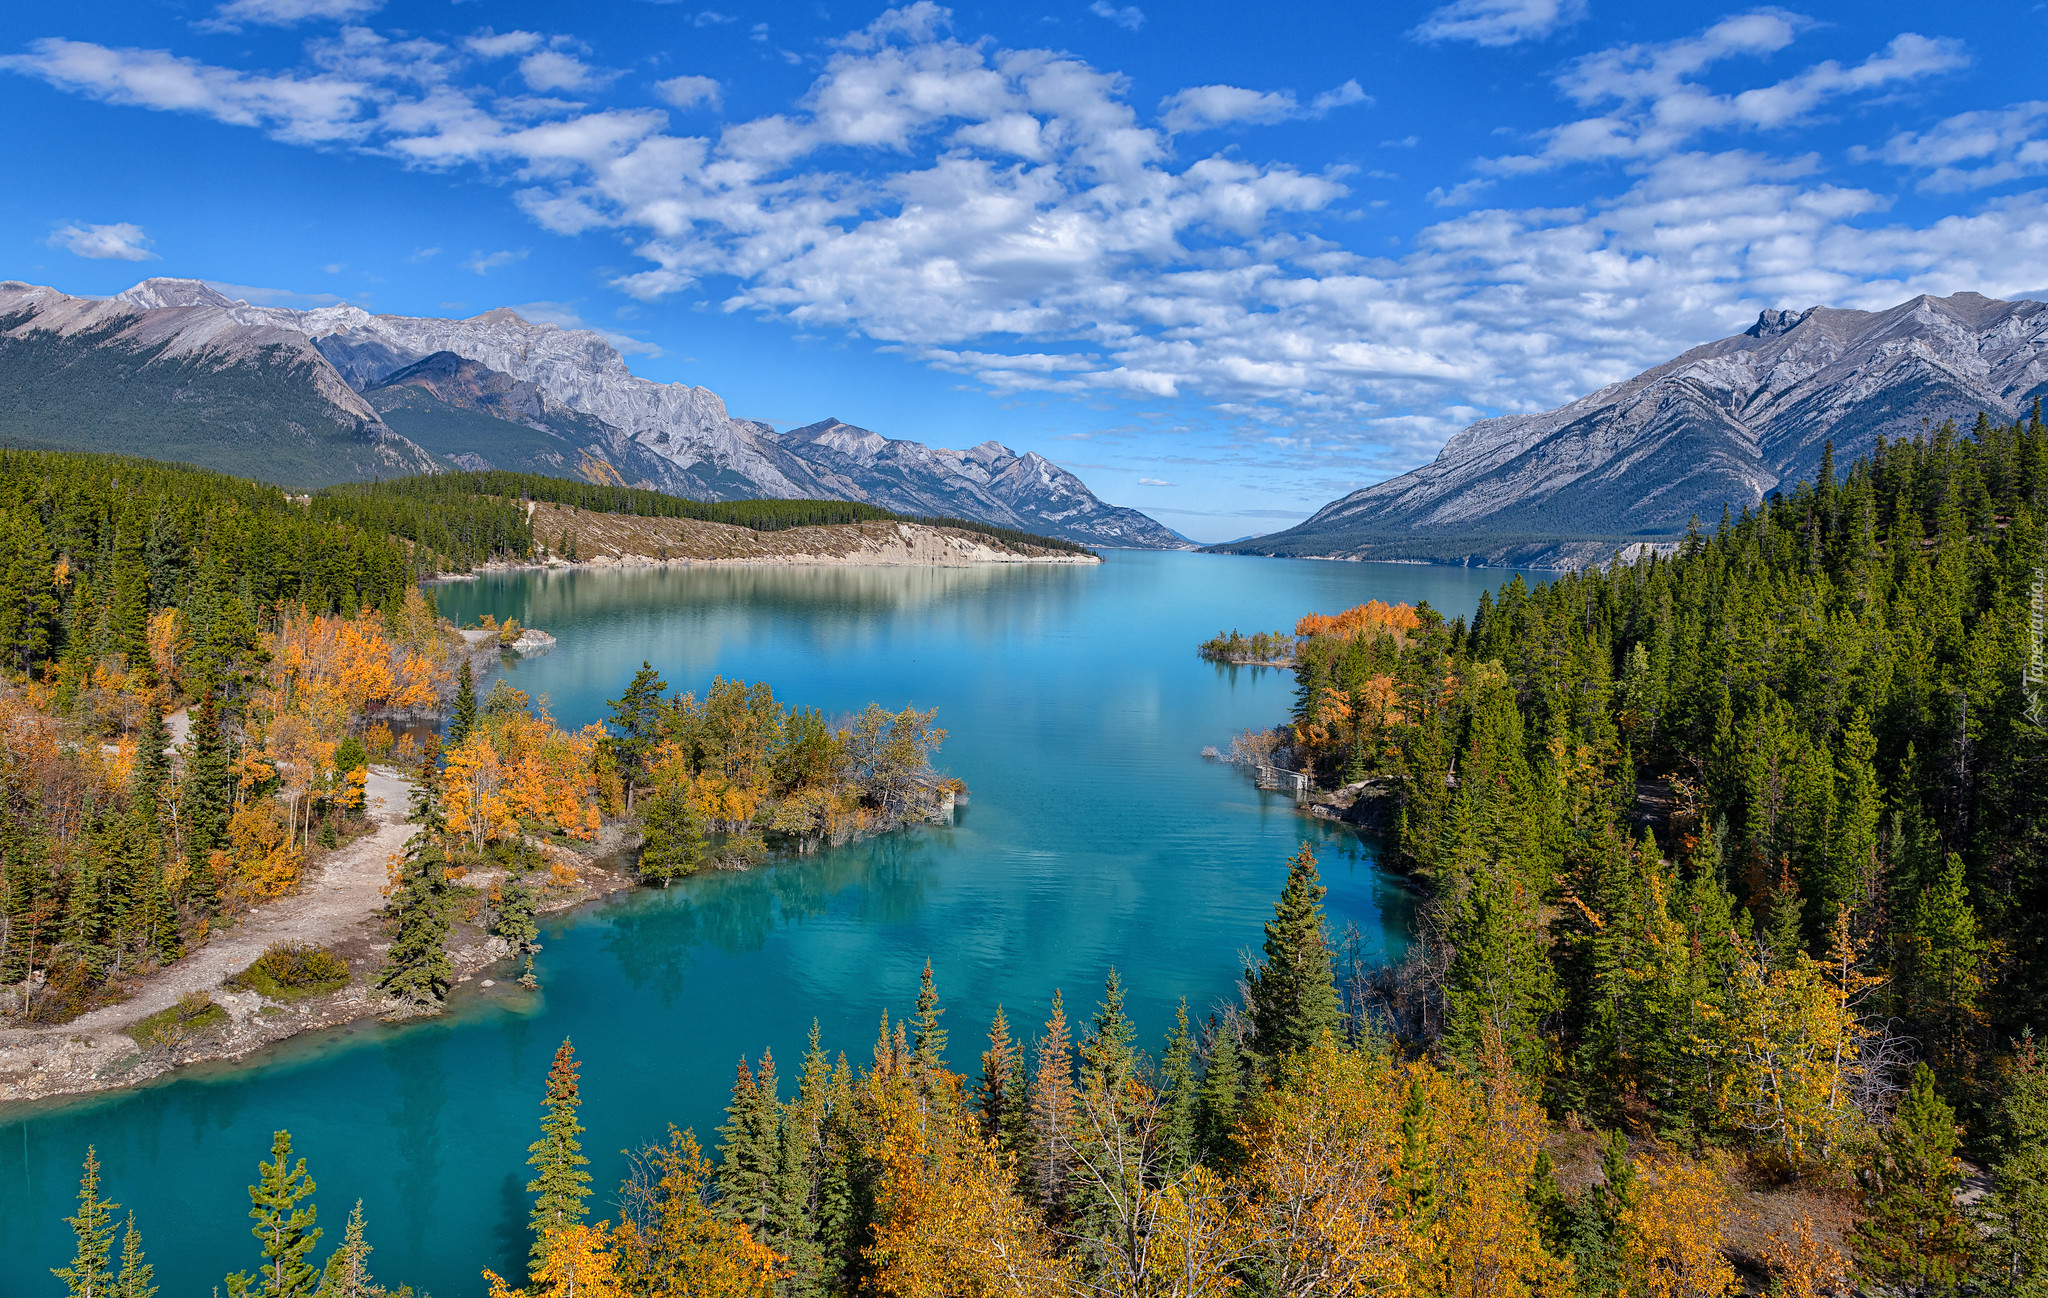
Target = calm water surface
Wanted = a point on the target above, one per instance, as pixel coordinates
(1096, 836)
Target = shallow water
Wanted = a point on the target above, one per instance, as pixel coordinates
(1096, 836)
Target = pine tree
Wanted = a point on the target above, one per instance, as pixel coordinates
(1943, 972)
(560, 1185)
(672, 834)
(206, 803)
(285, 1229)
(463, 719)
(417, 969)
(2013, 1255)
(750, 1148)
(1000, 1095)
(635, 724)
(1293, 997)
(1180, 1100)
(1052, 1113)
(517, 907)
(1594, 1229)
(1222, 1089)
(1913, 1238)
(152, 765)
(89, 1275)
(927, 1038)
(137, 1278)
(347, 1274)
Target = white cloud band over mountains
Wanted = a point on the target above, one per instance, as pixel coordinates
(1011, 215)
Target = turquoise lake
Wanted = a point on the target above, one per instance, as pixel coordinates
(1096, 837)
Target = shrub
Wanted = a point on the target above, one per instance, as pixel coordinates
(194, 1012)
(290, 970)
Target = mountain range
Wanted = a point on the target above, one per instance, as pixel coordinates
(1726, 423)
(176, 370)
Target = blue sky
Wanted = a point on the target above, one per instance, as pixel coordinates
(1225, 261)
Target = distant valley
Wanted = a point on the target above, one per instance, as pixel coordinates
(176, 370)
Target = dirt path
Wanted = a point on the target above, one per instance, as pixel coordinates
(337, 903)
(348, 888)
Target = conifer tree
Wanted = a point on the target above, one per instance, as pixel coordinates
(152, 765)
(1052, 1112)
(560, 1185)
(137, 1278)
(1943, 978)
(1293, 996)
(517, 906)
(462, 720)
(285, 1229)
(1222, 1090)
(927, 1038)
(2013, 1255)
(347, 1274)
(206, 803)
(750, 1148)
(999, 1095)
(635, 724)
(1180, 1098)
(1914, 1239)
(672, 834)
(90, 1275)
(417, 969)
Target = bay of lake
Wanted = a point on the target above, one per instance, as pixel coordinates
(1096, 836)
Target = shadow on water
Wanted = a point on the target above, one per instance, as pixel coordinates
(1077, 710)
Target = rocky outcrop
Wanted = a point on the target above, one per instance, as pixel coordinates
(1726, 423)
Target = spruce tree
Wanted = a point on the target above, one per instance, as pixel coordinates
(2013, 1219)
(750, 1148)
(90, 1274)
(285, 1229)
(635, 725)
(999, 1095)
(1180, 1099)
(1052, 1113)
(417, 969)
(137, 1278)
(1913, 1239)
(672, 834)
(206, 804)
(517, 905)
(927, 1038)
(347, 1274)
(152, 766)
(560, 1185)
(1293, 997)
(463, 719)
(1222, 1089)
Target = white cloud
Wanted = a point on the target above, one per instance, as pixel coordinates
(1129, 17)
(1201, 108)
(122, 241)
(1006, 214)
(483, 263)
(1499, 22)
(286, 13)
(546, 70)
(1975, 150)
(497, 45)
(689, 92)
(1156, 482)
(1659, 105)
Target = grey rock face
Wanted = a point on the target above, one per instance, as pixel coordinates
(688, 442)
(191, 379)
(1727, 422)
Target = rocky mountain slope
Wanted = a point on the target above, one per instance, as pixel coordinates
(185, 382)
(1727, 422)
(495, 390)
